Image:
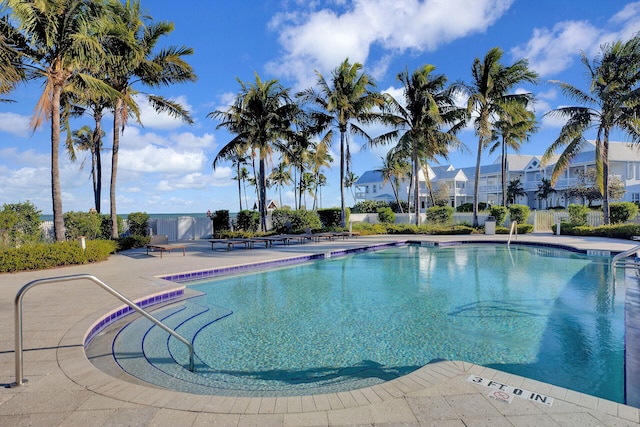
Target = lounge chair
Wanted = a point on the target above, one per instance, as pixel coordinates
(247, 243)
(160, 242)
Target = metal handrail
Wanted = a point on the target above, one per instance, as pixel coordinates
(620, 256)
(18, 316)
(514, 226)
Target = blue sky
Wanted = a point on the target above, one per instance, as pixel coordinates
(166, 166)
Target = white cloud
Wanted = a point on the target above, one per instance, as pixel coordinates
(553, 50)
(322, 39)
(150, 118)
(161, 159)
(15, 124)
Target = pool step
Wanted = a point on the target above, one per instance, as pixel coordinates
(165, 364)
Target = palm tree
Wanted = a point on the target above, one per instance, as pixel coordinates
(12, 67)
(426, 122)
(128, 66)
(490, 100)
(242, 175)
(280, 176)
(393, 170)
(349, 182)
(57, 54)
(345, 101)
(545, 189)
(514, 190)
(613, 101)
(319, 158)
(261, 117)
(83, 140)
(511, 132)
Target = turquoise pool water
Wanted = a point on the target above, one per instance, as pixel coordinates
(353, 321)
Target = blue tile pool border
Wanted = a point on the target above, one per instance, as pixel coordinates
(123, 311)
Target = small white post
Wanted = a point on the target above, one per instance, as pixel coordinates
(558, 228)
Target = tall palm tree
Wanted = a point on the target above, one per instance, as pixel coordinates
(261, 117)
(319, 158)
(393, 170)
(511, 132)
(128, 67)
(426, 122)
(489, 100)
(83, 140)
(613, 101)
(343, 103)
(61, 40)
(280, 176)
(349, 182)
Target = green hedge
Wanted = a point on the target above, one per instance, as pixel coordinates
(50, 255)
(522, 229)
(288, 221)
(616, 231)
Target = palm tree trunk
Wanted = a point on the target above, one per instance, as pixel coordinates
(476, 182)
(416, 189)
(114, 168)
(239, 185)
(504, 173)
(343, 216)
(56, 194)
(97, 146)
(605, 177)
(263, 194)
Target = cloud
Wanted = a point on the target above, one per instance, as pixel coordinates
(150, 118)
(15, 124)
(322, 39)
(551, 51)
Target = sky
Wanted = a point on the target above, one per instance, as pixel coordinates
(165, 166)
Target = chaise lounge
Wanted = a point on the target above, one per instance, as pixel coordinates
(160, 242)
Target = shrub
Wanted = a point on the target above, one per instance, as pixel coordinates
(522, 229)
(499, 213)
(288, 221)
(332, 217)
(87, 224)
(50, 255)
(386, 216)
(519, 213)
(617, 231)
(220, 222)
(366, 229)
(369, 206)
(247, 221)
(138, 223)
(440, 214)
(132, 241)
(19, 225)
(468, 207)
(577, 214)
(395, 206)
(621, 212)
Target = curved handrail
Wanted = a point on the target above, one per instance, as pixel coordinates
(619, 257)
(18, 316)
(514, 226)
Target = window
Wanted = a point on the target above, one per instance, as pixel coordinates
(635, 197)
(366, 189)
(375, 189)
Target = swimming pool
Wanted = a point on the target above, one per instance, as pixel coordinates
(349, 322)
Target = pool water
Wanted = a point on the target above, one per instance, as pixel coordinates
(349, 322)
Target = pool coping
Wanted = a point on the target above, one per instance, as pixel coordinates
(74, 363)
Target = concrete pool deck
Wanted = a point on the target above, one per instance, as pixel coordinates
(65, 389)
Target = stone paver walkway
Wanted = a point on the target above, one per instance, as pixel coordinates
(65, 389)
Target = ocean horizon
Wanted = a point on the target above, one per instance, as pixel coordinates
(49, 217)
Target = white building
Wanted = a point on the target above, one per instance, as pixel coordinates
(624, 164)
